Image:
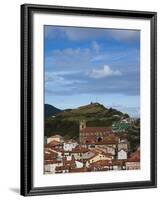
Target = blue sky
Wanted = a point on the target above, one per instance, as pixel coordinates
(91, 64)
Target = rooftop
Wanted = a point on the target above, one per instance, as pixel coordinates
(96, 129)
(135, 157)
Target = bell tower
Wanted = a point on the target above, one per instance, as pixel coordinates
(82, 125)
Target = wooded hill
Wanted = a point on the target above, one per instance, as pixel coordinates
(66, 123)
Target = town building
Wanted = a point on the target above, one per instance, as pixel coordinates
(133, 163)
(97, 157)
(98, 149)
(50, 166)
(69, 145)
(57, 138)
(122, 154)
(96, 133)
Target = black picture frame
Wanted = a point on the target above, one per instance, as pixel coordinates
(27, 188)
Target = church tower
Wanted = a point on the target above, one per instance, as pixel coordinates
(82, 125)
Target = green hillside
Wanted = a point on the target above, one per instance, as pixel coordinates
(66, 123)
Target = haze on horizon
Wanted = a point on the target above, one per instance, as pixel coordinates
(84, 65)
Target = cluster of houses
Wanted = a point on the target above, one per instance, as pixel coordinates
(98, 149)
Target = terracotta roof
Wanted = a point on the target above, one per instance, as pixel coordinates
(79, 150)
(96, 150)
(54, 161)
(53, 143)
(49, 154)
(118, 162)
(91, 139)
(105, 142)
(100, 163)
(49, 157)
(69, 162)
(108, 154)
(96, 129)
(135, 157)
(49, 151)
(60, 168)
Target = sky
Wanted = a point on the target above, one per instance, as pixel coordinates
(84, 65)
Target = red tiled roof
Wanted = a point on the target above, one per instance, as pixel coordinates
(49, 157)
(60, 168)
(53, 143)
(49, 154)
(96, 129)
(104, 142)
(69, 162)
(100, 163)
(108, 154)
(54, 161)
(118, 162)
(79, 150)
(135, 157)
(49, 151)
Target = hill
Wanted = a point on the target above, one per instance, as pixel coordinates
(51, 110)
(66, 123)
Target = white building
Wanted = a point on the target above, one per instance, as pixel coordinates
(69, 145)
(57, 138)
(122, 154)
(78, 164)
(122, 145)
(51, 165)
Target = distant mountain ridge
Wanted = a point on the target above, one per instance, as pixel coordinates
(51, 110)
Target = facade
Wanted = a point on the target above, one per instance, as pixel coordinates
(99, 156)
(122, 154)
(69, 145)
(92, 133)
(123, 145)
(79, 164)
(54, 145)
(79, 153)
(133, 163)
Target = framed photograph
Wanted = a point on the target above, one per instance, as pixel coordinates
(88, 99)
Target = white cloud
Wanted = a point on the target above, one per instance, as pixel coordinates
(56, 78)
(104, 72)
